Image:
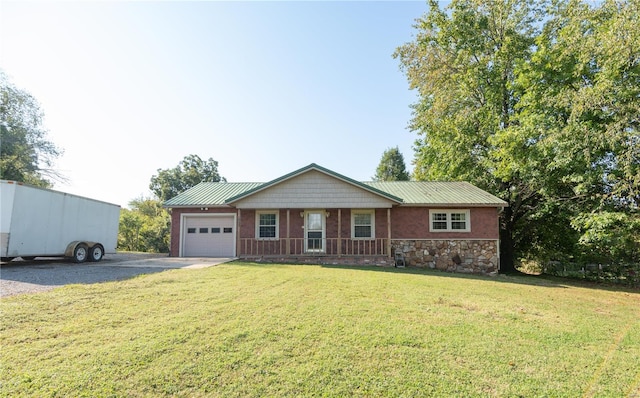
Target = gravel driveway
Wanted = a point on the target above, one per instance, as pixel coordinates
(18, 277)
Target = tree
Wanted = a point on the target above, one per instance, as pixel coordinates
(392, 167)
(188, 173)
(545, 119)
(129, 230)
(145, 228)
(588, 59)
(25, 153)
(463, 64)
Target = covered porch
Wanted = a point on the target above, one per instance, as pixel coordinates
(314, 233)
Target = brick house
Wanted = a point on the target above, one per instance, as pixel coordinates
(316, 215)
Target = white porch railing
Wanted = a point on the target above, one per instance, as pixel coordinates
(313, 247)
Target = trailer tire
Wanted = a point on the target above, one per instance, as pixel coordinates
(28, 258)
(96, 253)
(80, 253)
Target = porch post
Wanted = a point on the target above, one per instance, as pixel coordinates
(238, 236)
(389, 232)
(288, 245)
(339, 233)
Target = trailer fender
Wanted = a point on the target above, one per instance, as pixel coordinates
(79, 251)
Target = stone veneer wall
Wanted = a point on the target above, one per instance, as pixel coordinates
(464, 256)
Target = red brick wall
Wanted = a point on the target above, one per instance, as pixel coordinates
(247, 224)
(382, 229)
(413, 223)
(296, 223)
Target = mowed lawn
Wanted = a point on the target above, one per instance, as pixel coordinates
(250, 330)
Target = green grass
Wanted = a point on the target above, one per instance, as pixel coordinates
(243, 330)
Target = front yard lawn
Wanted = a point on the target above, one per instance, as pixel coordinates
(250, 330)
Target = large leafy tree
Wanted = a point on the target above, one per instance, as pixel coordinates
(392, 167)
(25, 153)
(583, 110)
(146, 225)
(547, 120)
(188, 173)
(462, 64)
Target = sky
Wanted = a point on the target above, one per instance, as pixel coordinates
(263, 88)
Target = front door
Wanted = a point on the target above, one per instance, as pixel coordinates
(314, 229)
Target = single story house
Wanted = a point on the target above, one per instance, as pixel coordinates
(316, 215)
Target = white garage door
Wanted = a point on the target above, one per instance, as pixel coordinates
(209, 236)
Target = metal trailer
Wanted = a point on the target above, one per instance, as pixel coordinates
(37, 222)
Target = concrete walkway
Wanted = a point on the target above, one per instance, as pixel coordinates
(168, 262)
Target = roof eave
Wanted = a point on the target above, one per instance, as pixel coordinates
(454, 205)
(192, 205)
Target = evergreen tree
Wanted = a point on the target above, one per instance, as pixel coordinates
(392, 167)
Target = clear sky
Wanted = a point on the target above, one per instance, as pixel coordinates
(264, 88)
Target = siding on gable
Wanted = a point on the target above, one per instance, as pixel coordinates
(313, 190)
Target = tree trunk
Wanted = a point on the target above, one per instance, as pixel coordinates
(507, 261)
(507, 250)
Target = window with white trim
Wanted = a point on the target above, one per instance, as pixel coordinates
(267, 225)
(363, 224)
(449, 220)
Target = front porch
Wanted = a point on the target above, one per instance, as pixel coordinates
(314, 248)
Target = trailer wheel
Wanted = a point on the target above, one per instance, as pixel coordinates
(29, 258)
(96, 253)
(80, 253)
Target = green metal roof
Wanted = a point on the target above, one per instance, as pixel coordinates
(415, 193)
(441, 193)
(210, 194)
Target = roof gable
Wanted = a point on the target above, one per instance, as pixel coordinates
(314, 187)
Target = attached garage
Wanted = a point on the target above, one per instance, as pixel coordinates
(208, 235)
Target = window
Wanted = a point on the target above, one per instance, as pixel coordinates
(363, 224)
(215, 230)
(439, 221)
(449, 221)
(459, 221)
(227, 230)
(267, 225)
(191, 230)
(204, 230)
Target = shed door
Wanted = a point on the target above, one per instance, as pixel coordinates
(209, 236)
